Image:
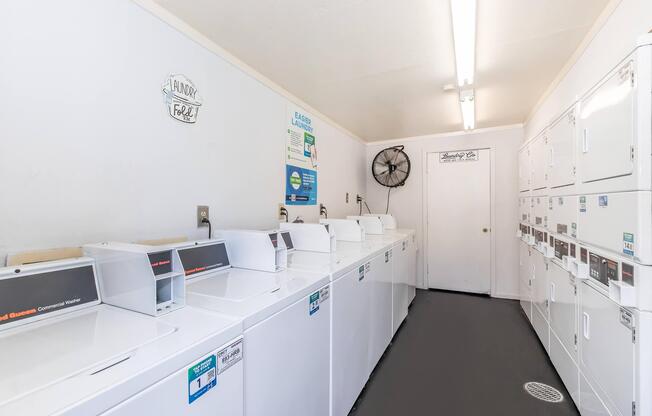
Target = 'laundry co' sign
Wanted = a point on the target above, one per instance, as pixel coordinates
(182, 98)
(461, 156)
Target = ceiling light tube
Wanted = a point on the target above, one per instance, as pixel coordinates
(467, 104)
(464, 27)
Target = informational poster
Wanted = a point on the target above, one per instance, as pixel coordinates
(301, 159)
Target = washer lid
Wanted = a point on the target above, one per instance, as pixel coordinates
(335, 264)
(252, 295)
(235, 286)
(46, 352)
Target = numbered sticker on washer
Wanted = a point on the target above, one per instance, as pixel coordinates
(201, 378)
(628, 244)
(582, 204)
(229, 356)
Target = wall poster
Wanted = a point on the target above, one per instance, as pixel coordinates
(181, 97)
(301, 159)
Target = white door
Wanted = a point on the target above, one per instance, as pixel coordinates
(459, 221)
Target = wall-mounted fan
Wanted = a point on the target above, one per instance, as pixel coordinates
(391, 168)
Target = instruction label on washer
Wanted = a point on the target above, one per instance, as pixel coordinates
(361, 272)
(201, 378)
(603, 201)
(314, 303)
(582, 204)
(229, 356)
(324, 293)
(628, 244)
(317, 298)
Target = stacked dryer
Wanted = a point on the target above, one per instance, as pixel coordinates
(591, 276)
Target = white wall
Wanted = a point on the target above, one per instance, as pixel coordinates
(407, 201)
(615, 40)
(88, 152)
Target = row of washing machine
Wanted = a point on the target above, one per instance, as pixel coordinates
(254, 323)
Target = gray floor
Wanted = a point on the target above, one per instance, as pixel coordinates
(459, 354)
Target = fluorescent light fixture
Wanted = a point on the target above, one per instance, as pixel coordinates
(464, 17)
(467, 104)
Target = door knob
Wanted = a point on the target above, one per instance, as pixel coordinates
(484, 230)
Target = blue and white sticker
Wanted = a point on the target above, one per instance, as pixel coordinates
(317, 299)
(201, 378)
(628, 244)
(313, 300)
(603, 200)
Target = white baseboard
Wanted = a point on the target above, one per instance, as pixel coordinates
(506, 296)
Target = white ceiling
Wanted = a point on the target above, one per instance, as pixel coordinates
(378, 67)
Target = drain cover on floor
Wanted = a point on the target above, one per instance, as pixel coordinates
(543, 392)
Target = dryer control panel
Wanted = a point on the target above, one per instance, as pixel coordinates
(561, 249)
(602, 269)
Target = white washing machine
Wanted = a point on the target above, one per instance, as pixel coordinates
(286, 322)
(361, 314)
(401, 258)
(64, 353)
(351, 292)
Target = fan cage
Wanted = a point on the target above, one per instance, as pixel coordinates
(393, 167)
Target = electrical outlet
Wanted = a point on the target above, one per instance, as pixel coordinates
(282, 212)
(347, 197)
(202, 212)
